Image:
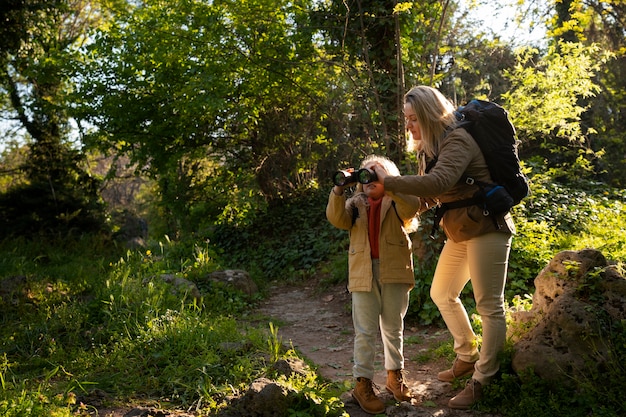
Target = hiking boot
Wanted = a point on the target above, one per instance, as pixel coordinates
(396, 386)
(465, 399)
(363, 393)
(459, 369)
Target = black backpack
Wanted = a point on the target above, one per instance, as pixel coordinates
(490, 126)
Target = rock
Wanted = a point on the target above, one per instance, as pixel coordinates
(564, 336)
(614, 286)
(182, 285)
(136, 242)
(264, 398)
(235, 278)
(133, 230)
(153, 412)
(267, 398)
(563, 275)
(291, 366)
(131, 226)
(12, 288)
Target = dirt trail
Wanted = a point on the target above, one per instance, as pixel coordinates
(319, 326)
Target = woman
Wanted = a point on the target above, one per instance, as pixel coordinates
(477, 246)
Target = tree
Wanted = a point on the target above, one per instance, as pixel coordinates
(544, 101)
(373, 42)
(470, 63)
(39, 46)
(598, 24)
(209, 98)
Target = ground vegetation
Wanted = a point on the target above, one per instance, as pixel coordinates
(216, 125)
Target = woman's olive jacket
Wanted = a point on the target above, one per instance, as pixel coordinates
(459, 156)
(395, 246)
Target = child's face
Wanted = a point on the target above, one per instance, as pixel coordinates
(375, 189)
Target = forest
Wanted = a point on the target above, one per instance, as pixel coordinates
(147, 137)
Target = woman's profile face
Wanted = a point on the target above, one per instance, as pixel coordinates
(412, 125)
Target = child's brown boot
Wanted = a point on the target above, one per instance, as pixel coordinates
(364, 394)
(396, 386)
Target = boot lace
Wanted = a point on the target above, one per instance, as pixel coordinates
(369, 389)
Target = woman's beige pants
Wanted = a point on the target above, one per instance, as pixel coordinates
(484, 261)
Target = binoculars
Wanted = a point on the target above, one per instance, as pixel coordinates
(349, 176)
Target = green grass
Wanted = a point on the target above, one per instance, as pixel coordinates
(88, 318)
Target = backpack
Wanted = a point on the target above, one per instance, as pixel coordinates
(489, 125)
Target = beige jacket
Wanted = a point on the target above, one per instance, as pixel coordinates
(395, 247)
(459, 155)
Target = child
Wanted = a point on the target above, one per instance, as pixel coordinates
(380, 277)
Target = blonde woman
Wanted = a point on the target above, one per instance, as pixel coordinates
(477, 246)
(380, 277)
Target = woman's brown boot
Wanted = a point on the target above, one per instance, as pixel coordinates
(364, 394)
(465, 399)
(459, 369)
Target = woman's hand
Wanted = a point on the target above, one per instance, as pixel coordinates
(380, 172)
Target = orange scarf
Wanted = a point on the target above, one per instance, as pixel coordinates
(373, 217)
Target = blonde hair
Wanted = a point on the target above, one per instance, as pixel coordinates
(390, 167)
(435, 114)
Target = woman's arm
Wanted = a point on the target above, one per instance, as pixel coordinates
(455, 155)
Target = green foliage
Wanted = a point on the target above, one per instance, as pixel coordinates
(441, 349)
(558, 217)
(97, 318)
(548, 97)
(421, 307)
(558, 112)
(220, 102)
(234, 108)
(21, 400)
(553, 218)
(286, 241)
(59, 195)
(65, 206)
(81, 318)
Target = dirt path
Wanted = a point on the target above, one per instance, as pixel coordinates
(319, 326)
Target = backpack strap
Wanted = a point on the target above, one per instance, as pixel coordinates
(478, 199)
(443, 207)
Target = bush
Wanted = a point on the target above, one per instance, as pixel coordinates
(287, 241)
